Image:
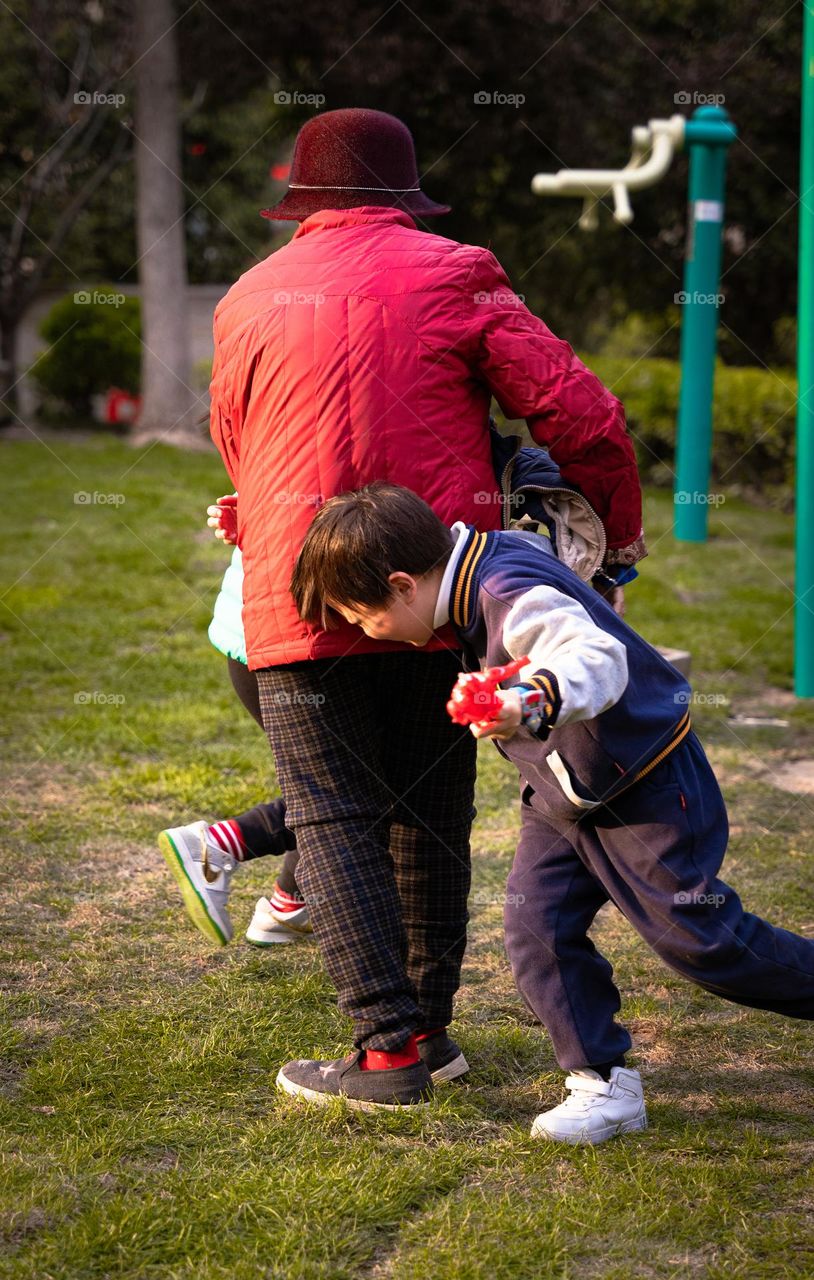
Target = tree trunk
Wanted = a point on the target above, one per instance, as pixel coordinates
(169, 406)
(8, 367)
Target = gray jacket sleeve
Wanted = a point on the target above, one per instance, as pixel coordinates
(560, 638)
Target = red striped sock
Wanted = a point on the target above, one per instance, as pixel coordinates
(282, 901)
(228, 837)
(385, 1060)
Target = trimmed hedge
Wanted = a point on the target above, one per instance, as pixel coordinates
(753, 425)
(753, 444)
(94, 338)
(96, 345)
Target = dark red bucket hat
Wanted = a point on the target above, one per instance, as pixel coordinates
(353, 157)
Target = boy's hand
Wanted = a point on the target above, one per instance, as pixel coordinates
(223, 518)
(509, 718)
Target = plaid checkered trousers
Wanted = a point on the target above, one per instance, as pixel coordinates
(379, 787)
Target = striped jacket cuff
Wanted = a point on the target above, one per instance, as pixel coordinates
(545, 682)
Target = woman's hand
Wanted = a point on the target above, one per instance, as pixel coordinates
(223, 518)
(615, 597)
(508, 720)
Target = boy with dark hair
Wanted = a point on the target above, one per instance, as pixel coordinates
(619, 802)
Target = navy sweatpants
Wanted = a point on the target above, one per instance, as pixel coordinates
(655, 852)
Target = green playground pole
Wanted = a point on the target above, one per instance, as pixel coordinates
(708, 135)
(804, 571)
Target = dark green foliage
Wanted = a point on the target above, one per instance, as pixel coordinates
(95, 343)
(754, 421)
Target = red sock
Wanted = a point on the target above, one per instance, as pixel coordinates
(385, 1060)
(427, 1035)
(228, 837)
(282, 901)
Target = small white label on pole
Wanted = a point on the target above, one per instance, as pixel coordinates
(709, 211)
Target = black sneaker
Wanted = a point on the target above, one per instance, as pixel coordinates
(362, 1090)
(442, 1057)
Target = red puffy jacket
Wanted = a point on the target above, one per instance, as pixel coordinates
(365, 349)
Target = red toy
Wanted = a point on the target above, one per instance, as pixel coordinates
(474, 700)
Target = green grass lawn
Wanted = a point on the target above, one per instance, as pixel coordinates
(141, 1133)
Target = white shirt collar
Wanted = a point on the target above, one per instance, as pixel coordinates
(460, 532)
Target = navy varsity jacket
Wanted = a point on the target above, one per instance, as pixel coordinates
(613, 706)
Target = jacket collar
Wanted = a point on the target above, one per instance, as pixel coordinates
(324, 219)
(459, 590)
(462, 534)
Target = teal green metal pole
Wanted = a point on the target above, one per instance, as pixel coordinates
(804, 571)
(708, 135)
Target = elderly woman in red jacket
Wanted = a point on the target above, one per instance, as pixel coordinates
(369, 348)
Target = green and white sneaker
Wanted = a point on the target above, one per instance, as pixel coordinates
(204, 873)
(268, 927)
(595, 1109)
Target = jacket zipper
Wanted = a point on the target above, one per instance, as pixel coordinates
(504, 485)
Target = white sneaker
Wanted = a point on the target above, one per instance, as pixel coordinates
(204, 873)
(595, 1109)
(269, 926)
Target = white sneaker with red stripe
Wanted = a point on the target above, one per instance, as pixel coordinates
(203, 870)
(270, 925)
